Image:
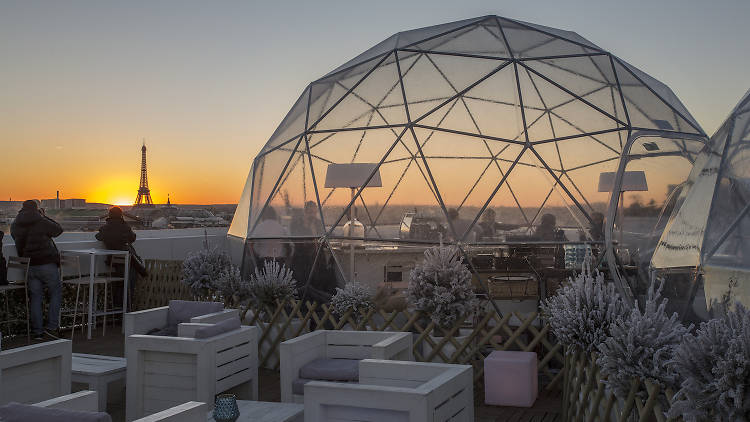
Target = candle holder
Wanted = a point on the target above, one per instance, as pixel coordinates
(225, 408)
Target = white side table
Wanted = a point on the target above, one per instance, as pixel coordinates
(263, 411)
(97, 372)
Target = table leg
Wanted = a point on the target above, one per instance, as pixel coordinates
(92, 272)
(101, 391)
(125, 289)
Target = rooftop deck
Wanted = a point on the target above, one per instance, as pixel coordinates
(546, 408)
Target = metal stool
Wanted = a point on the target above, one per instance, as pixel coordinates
(18, 276)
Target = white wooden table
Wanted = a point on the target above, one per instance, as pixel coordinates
(93, 253)
(97, 371)
(263, 411)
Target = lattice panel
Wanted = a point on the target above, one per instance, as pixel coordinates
(586, 398)
(463, 344)
(162, 285)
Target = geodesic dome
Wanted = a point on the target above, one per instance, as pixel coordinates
(444, 129)
(711, 226)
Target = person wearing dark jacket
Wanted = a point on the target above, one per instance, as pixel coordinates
(116, 234)
(32, 232)
(3, 264)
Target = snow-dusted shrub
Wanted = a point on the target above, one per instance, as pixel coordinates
(441, 287)
(581, 313)
(232, 287)
(274, 282)
(354, 296)
(642, 345)
(714, 364)
(202, 269)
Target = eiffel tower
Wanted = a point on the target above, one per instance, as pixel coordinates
(144, 194)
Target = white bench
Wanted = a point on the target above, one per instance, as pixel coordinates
(97, 372)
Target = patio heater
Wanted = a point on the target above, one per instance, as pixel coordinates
(353, 176)
(632, 181)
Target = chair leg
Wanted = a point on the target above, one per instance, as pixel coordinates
(28, 314)
(104, 326)
(7, 314)
(75, 310)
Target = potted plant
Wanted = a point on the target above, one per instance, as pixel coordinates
(202, 269)
(581, 316)
(583, 311)
(233, 289)
(440, 288)
(714, 364)
(642, 345)
(355, 298)
(269, 287)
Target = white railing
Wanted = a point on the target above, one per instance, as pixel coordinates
(172, 244)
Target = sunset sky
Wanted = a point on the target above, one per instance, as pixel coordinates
(206, 83)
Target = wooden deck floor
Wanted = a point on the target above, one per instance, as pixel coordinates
(546, 408)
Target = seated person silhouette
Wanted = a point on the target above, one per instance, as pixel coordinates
(547, 230)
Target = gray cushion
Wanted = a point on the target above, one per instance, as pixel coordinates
(298, 385)
(218, 328)
(183, 310)
(331, 370)
(164, 332)
(15, 412)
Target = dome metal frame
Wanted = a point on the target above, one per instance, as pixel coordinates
(640, 107)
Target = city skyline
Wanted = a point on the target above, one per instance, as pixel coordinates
(207, 85)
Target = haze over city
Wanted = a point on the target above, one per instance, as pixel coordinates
(206, 84)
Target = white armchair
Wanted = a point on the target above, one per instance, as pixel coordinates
(397, 392)
(35, 373)
(210, 354)
(299, 352)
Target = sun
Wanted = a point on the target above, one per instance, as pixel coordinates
(122, 201)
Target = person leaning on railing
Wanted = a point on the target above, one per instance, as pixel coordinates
(33, 231)
(117, 235)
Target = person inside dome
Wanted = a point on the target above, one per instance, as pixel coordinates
(547, 230)
(270, 232)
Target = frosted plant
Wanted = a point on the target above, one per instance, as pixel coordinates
(202, 269)
(354, 296)
(232, 287)
(581, 313)
(642, 345)
(715, 366)
(275, 282)
(441, 287)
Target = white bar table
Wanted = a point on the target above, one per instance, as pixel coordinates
(93, 253)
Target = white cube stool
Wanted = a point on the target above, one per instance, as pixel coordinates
(510, 379)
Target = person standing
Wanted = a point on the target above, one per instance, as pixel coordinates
(33, 232)
(117, 235)
(3, 264)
